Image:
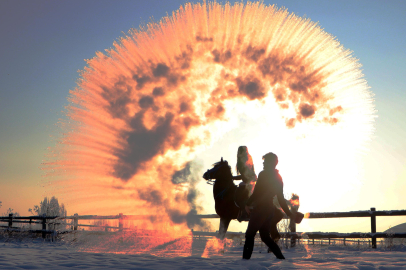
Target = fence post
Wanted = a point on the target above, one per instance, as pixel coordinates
(373, 226)
(344, 241)
(75, 222)
(44, 225)
(120, 221)
(10, 220)
(292, 227)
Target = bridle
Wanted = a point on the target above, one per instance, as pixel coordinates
(209, 175)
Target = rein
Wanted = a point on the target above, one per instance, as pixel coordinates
(221, 193)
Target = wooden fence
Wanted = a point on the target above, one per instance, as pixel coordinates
(372, 214)
(293, 235)
(43, 220)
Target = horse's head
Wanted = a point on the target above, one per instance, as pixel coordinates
(220, 169)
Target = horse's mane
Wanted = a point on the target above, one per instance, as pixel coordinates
(221, 163)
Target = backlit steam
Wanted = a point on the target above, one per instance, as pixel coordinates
(145, 108)
(215, 246)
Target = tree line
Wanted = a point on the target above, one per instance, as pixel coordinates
(49, 207)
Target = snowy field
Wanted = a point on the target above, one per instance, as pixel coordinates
(40, 254)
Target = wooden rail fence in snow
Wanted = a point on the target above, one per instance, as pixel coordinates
(372, 214)
(43, 220)
(74, 224)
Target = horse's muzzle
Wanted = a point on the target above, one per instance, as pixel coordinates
(207, 175)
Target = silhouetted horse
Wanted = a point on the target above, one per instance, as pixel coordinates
(224, 198)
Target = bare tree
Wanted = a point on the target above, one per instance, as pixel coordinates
(50, 208)
(11, 211)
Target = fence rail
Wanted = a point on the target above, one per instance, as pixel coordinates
(372, 214)
(313, 235)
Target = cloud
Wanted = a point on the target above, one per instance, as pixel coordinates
(161, 70)
(118, 97)
(191, 174)
(251, 87)
(141, 81)
(158, 91)
(151, 195)
(188, 174)
(142, 144)
(220, 57)
(157, 104)
(146, 101)
(307, 110)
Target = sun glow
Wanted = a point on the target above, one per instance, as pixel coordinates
(199, 84)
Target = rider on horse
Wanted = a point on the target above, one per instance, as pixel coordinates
(245, 167)
(230, 199)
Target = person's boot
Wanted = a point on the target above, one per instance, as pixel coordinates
(276, 251)
(239, 217)
(279, 255)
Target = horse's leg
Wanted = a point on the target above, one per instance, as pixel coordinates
(224, 223)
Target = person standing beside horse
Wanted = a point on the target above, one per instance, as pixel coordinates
(268, 185)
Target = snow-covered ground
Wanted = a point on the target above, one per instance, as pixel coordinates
(40, 254)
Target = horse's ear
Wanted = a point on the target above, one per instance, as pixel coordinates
(221, 159)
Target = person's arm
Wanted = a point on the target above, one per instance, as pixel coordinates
(283, 204)
(239, 177)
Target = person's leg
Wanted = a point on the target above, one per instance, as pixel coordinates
(256, 220)
(248, 247)
(240, 198)
(265, 232)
